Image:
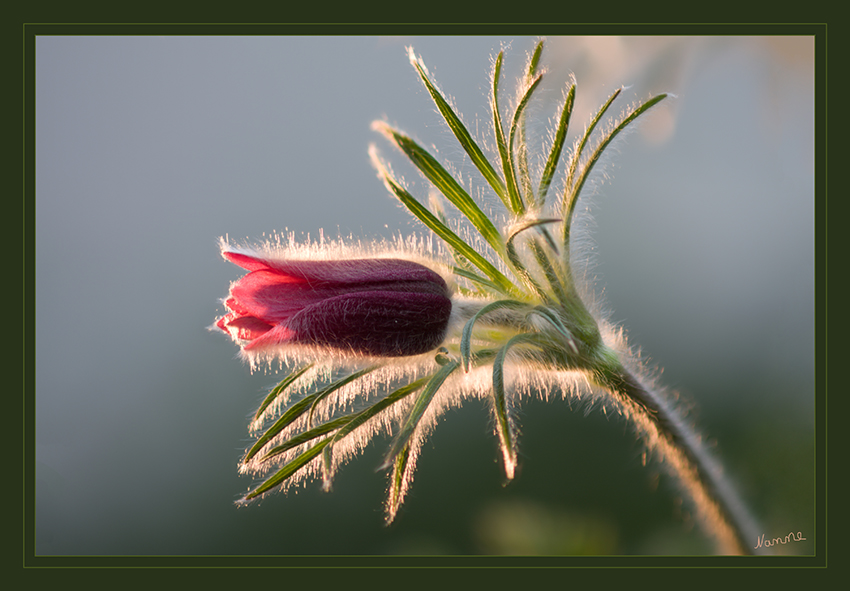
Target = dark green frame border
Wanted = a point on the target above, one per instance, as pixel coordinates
(341, 564)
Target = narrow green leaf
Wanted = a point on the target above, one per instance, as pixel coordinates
(515, 203)
(570, 192)
(290, 415)
(447, 185)
(287, 470)
(306, 436)
(461, 133)
(461, 262)
(556, 282)
(440, 229)
(277, 390)
(296, 410)
(531, 224)
(518, 151)
(366, 414)
(535, 59)
(585, 173)
(384, 403)
(522, 147)
(589, 131)
(336, 386)
(466, 336)
(417, 412)
(505, 428)
(521, 157)
(557, 322)
(557, 146)
(517, 263)
(474, 277)
(400, 466)
(541, 257)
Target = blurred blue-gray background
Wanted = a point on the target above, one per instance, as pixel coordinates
(150, 148)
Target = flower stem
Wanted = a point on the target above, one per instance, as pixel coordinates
(680, 450)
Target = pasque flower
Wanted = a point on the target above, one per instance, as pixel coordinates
(373, 307)
(379, 340)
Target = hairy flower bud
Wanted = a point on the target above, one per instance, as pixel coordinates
(370, 307)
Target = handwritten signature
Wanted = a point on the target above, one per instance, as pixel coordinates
(791, 537)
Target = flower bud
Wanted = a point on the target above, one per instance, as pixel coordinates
(368, 307)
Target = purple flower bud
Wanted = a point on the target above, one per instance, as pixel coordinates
(369, 307)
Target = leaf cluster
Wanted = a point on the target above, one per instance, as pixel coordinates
(524, 275)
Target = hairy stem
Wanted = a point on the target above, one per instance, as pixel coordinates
(680, 450)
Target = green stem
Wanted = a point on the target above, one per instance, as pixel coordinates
(699, 475)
